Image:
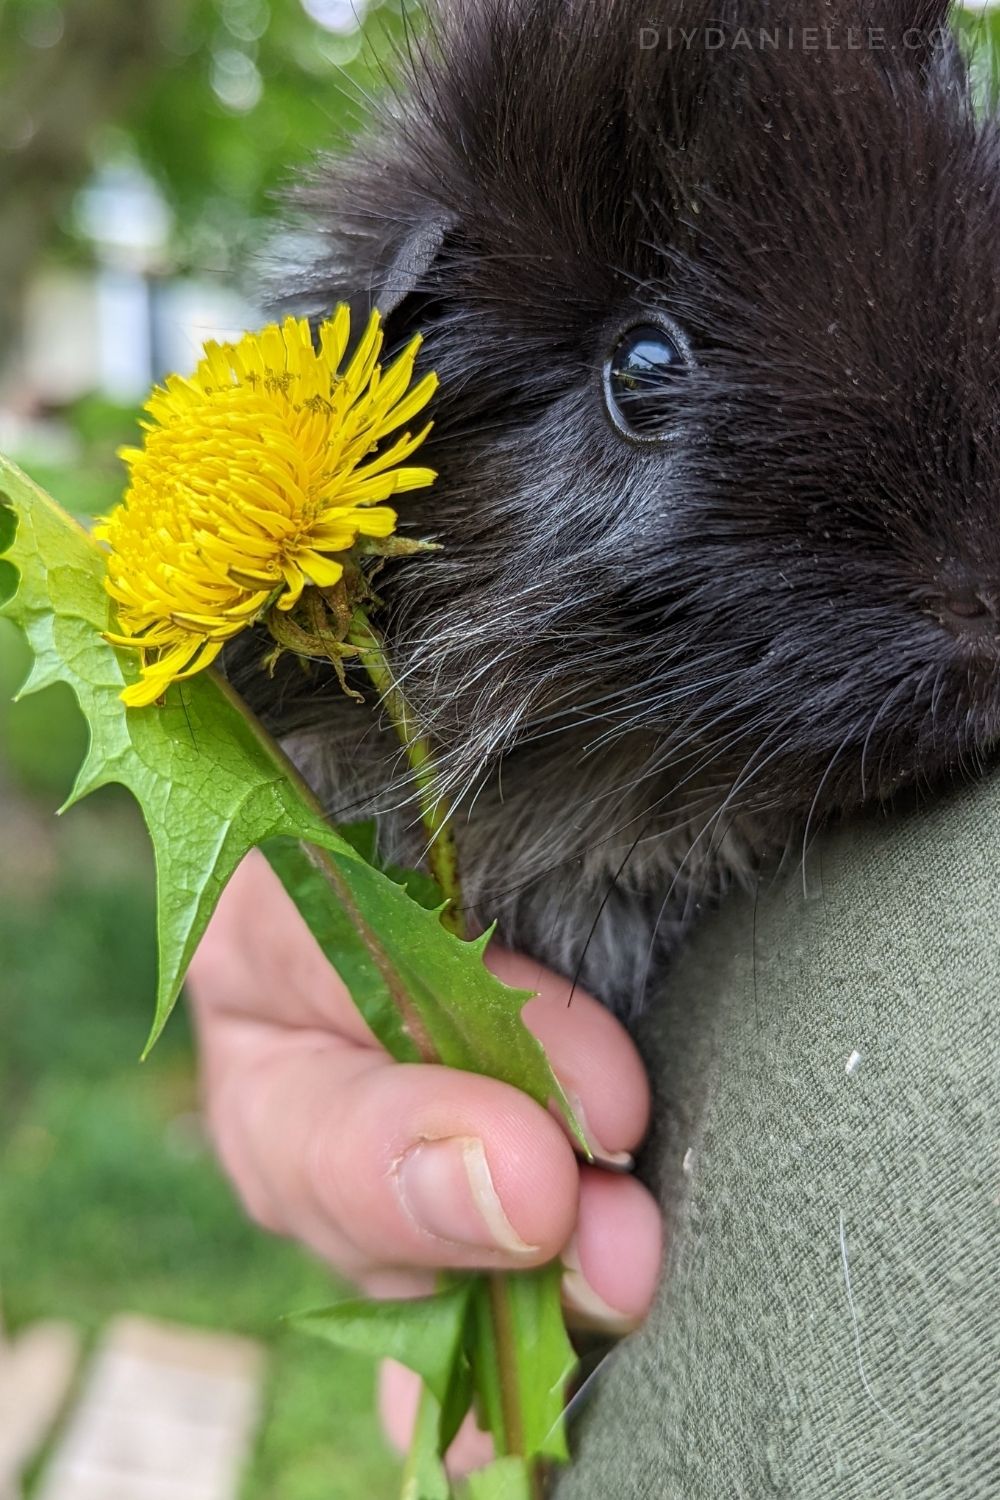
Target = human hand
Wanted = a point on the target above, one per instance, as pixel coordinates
(392, 1171)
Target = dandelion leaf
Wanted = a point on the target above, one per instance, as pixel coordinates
(540, 1367)
(212, 785)
(424, 1333)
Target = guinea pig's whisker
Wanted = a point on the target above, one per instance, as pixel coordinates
(876, 717)
(745, 777)
(848, 737)
(611, 887)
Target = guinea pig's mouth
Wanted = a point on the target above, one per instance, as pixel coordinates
(954, 737)
(942, 728)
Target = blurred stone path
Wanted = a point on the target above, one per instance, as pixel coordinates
(164, 1413)
(36, 1372)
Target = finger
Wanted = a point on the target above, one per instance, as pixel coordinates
(613, 1260)
(374, 1163)
(397, 1285)
(258, 959)
(613, 1264)
(591, 1053)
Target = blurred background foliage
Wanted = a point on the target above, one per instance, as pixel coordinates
(978, 25)
(142, 146)
(216, 100)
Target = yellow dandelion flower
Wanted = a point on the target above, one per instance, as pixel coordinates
(255, 475)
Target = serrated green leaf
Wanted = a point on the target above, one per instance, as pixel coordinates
(205, 777)
(453, 1009)
(523, 1404)
(423, 1333)
(426, 1334)
(364, 838)
(212, 784)
(333, 929)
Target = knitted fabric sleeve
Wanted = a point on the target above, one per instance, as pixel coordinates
(827, 1152)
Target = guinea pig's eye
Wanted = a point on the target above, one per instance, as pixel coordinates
(639, 374)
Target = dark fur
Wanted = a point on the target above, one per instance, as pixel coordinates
(647, 667)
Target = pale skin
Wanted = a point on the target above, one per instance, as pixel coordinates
(392, 1171)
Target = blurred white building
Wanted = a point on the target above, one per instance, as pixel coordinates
(117, 329)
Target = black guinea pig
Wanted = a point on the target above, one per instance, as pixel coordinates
(713, 293)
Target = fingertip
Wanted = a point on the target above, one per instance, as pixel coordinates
(614, 1259)
(534, 1170)
(445, 1168)
(595, 1059)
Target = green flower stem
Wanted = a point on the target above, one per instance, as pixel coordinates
(501, 1317)
(417, 1483)
(442, 854)
(443, 861)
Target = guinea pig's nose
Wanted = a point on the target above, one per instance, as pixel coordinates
(969, 611)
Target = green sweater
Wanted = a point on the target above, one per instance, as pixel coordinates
(828, 1157)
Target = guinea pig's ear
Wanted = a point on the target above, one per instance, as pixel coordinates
(405, 282)
(371, 237)
(376, 243)
(408, 277)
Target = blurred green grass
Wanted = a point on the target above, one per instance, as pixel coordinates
(109, 1198)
